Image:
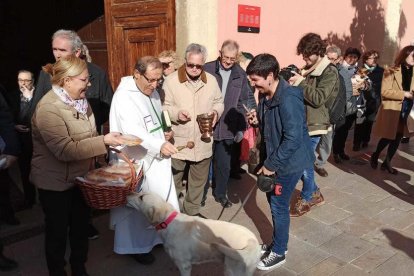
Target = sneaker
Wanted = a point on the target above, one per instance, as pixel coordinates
(301, 208)
(271, 261)
(267, 248)
(317, 199)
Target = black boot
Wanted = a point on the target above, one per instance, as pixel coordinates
(374, 160)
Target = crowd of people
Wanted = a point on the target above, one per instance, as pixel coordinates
(296, 116)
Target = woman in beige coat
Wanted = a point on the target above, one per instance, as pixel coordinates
(397, 101)
(64, 144)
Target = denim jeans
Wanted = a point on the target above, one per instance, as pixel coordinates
(279, 207)
(308, 177)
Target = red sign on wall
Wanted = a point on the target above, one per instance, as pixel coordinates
(248, 19)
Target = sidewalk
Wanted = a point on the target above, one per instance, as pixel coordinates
(366, 227)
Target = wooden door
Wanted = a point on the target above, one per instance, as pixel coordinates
(136, 28)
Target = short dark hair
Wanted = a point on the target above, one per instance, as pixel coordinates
(369, 53)
(311, 44)
(262, 65)
(403, 54)
(352, 51)
(143, 63)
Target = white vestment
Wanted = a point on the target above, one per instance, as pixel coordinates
(133, 112)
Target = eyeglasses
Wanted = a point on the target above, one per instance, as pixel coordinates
(191, 65)
(226, 58)
(166, 65)
(24, 81)
(84, 80)
(152, 80)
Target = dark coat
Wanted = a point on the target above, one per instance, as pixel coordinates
(284, 130)
(99, 94)
(238, 93)
(7, 131)
(373, 96)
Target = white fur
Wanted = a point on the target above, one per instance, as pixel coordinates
(192, 240)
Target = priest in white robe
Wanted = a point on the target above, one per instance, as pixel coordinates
(136, 110)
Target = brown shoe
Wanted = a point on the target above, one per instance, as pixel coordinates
(317, 199)
(321, 171)
(301, 208)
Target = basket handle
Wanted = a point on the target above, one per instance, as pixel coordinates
(131, 166)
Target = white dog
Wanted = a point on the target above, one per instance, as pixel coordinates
(193, 240)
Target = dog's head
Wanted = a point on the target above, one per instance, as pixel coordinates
(153, 206)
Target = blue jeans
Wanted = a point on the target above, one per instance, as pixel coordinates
(279, 206)
(308, 177)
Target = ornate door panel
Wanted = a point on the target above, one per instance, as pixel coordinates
(135, 29)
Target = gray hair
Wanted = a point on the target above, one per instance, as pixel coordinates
(334, 49)
(72, 36)
(144, 62)
(196, 49)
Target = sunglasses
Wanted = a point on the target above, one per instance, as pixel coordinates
(166, 65)
(191, 65)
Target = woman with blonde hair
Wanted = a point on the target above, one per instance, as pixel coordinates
(65, 143)
(397, 100)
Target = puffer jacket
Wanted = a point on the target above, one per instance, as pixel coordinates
(320, 83)
(201, 97)
(64, 144)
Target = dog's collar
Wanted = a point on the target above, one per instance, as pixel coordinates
(165, 223)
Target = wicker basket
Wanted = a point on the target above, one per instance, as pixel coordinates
(107, 197)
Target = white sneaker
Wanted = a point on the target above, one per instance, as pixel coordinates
(271, 261)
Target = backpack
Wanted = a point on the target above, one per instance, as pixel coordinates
(337, 106)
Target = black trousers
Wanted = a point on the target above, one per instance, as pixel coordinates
(65, 213)
(341, 133)
(222, 154)
(235, 158)
(25, 159)
(362, 132)
(6, 209)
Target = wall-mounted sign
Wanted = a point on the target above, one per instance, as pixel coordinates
(248, 19)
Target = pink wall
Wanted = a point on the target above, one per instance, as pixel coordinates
(358, 23)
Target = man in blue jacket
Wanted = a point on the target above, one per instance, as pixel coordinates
(285, 148)
(229, 129)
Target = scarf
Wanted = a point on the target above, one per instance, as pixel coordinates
(80, 106)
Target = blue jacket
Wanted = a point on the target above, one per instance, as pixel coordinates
(285, 140)
(238, 93)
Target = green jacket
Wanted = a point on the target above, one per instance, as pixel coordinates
(320, 86)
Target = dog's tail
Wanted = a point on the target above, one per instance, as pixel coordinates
(252, 249)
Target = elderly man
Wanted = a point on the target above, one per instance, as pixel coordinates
(136, 110)
(237, 93)
(190, 91)
(99, 95)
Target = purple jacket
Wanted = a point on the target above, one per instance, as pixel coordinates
(238, 93)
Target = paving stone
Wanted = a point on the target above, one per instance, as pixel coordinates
(366, 208)
(328, 214)
(302, 255)
(357, 225)
(395, 218)
(377, 197)
(338, 198)
(397, 265)
(326, 267)
(347, 247)
(348, 270)
(315, 233)
(280, 271)
(373, 258)
(403, 202)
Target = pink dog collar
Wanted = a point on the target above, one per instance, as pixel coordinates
(165, 223)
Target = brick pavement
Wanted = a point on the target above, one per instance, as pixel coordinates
(365, 227)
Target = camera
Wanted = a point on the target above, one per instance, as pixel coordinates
(286, 73)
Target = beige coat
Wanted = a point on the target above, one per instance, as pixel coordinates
(64, 144)
(203, 97)
(388, 118)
